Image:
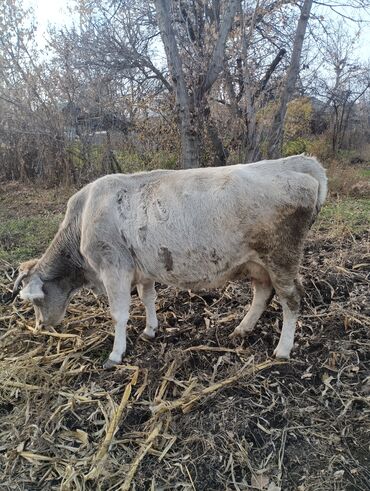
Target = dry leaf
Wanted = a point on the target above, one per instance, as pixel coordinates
(260, 482)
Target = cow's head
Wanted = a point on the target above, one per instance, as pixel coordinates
(50, 298)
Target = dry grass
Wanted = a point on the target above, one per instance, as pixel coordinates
(191, 410)
(347, 180)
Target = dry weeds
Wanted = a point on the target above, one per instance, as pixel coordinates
(191, 410)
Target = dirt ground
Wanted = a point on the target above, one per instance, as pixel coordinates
(193, 410)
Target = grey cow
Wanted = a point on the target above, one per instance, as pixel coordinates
(193, 229)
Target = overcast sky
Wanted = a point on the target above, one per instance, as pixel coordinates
(56, 12)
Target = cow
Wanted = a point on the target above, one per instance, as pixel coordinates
(191, 228)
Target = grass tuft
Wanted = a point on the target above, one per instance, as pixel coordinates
(340, 217)
(23, 238)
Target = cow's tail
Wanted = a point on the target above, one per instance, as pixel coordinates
(311, 166)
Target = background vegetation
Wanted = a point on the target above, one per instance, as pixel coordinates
(131, 85)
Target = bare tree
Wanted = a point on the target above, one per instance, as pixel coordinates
(191, 91)
(342, 82)
(31, 133)
(277, 132)
(255, 62)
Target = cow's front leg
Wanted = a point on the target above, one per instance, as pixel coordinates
(119, 296)
(148, 296)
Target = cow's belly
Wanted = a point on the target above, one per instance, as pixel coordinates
(198, 269)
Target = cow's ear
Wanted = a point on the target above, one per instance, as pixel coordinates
(33, 289)
(25, 270)
(28, 266)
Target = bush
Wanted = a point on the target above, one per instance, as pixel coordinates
(294, 147)
(321, 148)
(298, 119)
(297, 127)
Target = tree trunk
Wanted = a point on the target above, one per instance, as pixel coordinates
(277, 132)
(220, 153)
(190, 139)
(251, 150)
(217, 59)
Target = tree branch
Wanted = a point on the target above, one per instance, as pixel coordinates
(269, 72)
(217, 59)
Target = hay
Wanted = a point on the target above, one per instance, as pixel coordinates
(192, 410)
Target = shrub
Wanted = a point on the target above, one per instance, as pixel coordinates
(321, 148)
(298, 119)
(294, 147)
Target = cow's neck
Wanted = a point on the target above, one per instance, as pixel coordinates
(63, 258)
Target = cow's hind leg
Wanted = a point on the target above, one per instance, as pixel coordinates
(290, 296)
(262, 295)
(148, 296)
(118, 288)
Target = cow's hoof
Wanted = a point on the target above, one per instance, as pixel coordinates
(108, 364)
(148, 336)
(281, 354)
(238, 333)
(235, 334)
